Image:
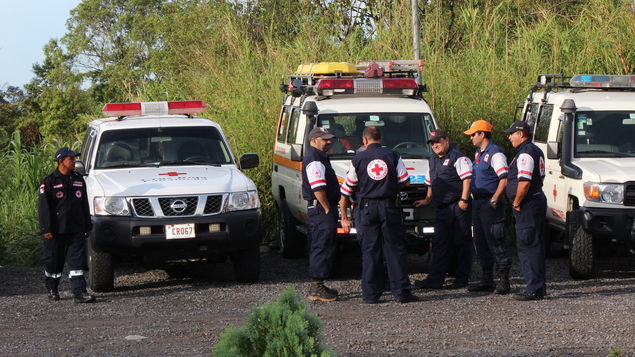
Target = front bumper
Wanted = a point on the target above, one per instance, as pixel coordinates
(609, 223)
(121, 235)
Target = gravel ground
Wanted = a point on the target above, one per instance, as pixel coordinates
(182, 312)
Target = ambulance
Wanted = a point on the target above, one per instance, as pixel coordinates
(585, 125)
(164, 185)
(345, 98)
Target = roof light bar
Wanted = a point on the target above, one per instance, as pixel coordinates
(602, 81)
(154, 108)
(402, 86)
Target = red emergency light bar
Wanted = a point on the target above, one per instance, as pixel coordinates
(154, 108)
(403, 86)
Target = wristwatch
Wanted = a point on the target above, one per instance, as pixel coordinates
(515, 206)
(464, 200)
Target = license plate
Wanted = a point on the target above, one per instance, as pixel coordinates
(179, 231)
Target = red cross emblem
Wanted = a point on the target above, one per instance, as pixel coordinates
(377, 169)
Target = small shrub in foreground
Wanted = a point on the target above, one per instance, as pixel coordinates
(276, 329)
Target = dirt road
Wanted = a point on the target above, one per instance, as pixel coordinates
(182, 313)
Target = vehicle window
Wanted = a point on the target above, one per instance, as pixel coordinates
(161, 146)
(531, 116)
(87, 145)
(604, 134)
(542, 125)
(406, 133)
(282, 129)
(293, 125)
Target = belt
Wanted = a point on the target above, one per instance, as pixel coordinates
(481, 196)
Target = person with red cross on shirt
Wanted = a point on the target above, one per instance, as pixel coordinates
(320, 189)
(376, 174)
(449, 191)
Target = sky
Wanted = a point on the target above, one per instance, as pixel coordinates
(25, 27)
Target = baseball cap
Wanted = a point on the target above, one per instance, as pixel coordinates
(479, 125)
(518, 126)
(63, 152)
(320, 132)
(437, 135)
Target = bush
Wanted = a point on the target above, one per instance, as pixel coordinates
(281, 328)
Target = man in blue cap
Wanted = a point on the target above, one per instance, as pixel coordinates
(65, 223)
(524, 190)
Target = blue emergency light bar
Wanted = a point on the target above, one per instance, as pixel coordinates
(602, 81)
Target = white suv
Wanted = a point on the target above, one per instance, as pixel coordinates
(338, 97)
(164, 185)
(585, 125)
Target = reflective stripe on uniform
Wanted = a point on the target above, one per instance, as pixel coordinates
(54, 276)
(73, 273)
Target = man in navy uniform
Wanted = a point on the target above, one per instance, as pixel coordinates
(524, 189)
(449, 191)
(376, 173)
(489, 179)
(321, 190)
(65, 223)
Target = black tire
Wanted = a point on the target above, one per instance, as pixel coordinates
(246, 264)
(582, 259)
(292, 243)
(100, 269)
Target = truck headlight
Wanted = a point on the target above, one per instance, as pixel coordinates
(238, 201)
(604, 192)
(111, 206)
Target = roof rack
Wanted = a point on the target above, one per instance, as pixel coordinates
(305, 80)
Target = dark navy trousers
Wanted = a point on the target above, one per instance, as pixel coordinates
(452, 235)
(530, 241)
(382, 240)
(69, 248)
(489, 235)
(322, 241)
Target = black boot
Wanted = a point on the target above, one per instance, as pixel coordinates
(319, 292)
(84, 297)
(486, 283)
(53, 295)
(502, 285)
(51, 287)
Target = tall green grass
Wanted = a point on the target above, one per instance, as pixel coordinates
(24, 169)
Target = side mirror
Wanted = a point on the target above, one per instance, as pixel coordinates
(248, 161)
(296, 152)
(80, 168)
(552, 150)
(310, 109)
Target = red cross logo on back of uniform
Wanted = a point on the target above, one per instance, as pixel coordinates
(377, 169)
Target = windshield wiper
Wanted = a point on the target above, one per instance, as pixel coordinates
(120, 166)
(618, 154)
(187, 162)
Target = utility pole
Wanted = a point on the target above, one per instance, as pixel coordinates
(415, 30)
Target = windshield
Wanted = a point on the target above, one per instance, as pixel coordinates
(406, 133)
(201, 145)
(605, 134)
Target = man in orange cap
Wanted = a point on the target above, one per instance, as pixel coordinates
(489, 179)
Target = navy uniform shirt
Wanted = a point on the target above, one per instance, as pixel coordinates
(318, 174)
(527, 165)
(446, 176)
(377, 172)
(490, 165)
(63, 204)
